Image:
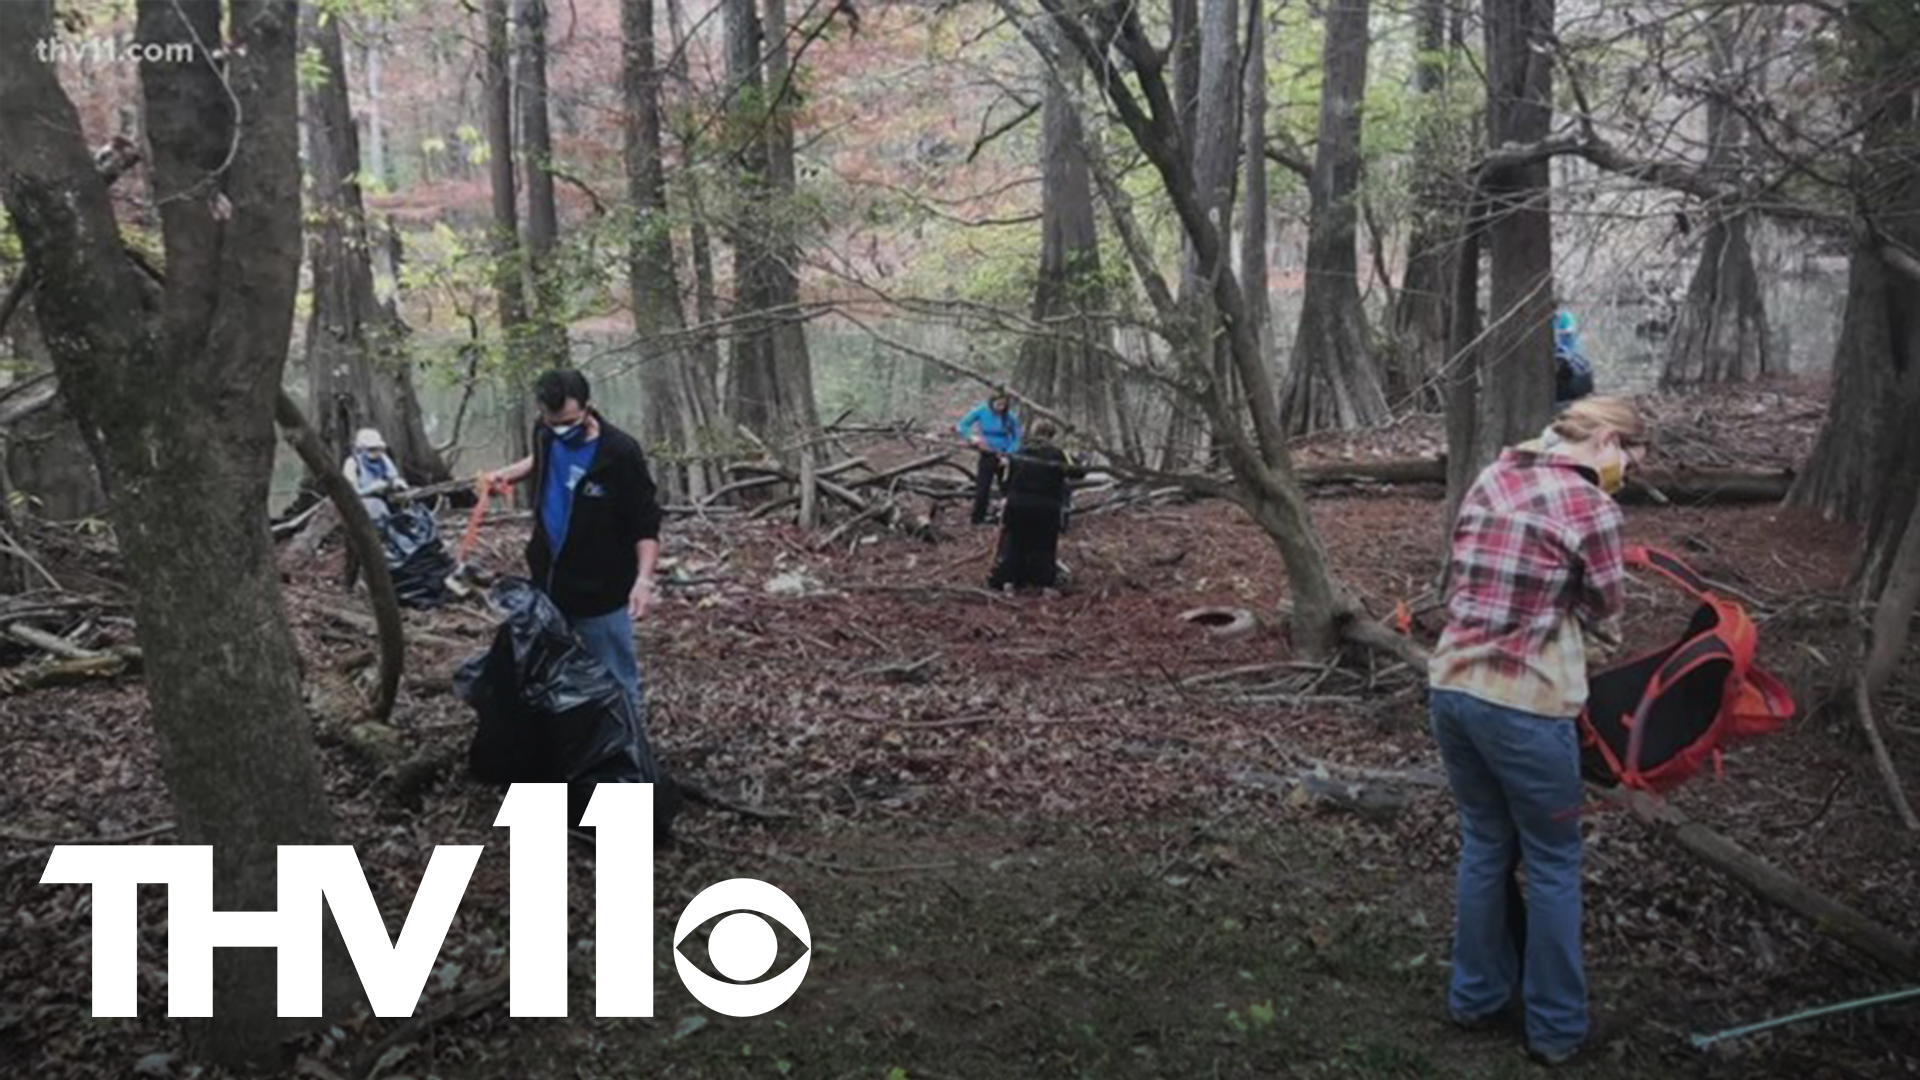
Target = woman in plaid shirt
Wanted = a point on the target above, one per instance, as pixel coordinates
(1537, 573)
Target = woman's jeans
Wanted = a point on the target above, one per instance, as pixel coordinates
(1516, 776)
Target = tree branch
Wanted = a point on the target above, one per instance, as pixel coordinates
(1285, 151)
(366, 545)
(1671, 175)
(986, 137)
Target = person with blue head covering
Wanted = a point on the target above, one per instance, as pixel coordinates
(1573, 372)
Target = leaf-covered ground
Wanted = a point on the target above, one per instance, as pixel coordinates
(1050, 836)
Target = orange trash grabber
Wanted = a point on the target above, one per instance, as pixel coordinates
(462, 575)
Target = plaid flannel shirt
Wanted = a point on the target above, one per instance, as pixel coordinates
(1537, 557)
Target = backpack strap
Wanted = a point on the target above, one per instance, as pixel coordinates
(1670, 566)
(1703, 649)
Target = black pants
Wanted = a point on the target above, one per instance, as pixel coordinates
(1029, 547)
(985, 475)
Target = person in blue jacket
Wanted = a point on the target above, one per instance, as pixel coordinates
(1573, 372)
(994, 430)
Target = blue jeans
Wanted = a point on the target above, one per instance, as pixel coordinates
(609, 638)
(1516, 776)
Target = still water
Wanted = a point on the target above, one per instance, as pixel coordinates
(854, 372)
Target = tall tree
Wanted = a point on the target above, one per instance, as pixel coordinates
(1721, 334)
(1862, 465)
(792, 360)
(769, 378)
(373, 60)
(1514, 369)
(706, 302)
(1212, 146)
(174, 386)
(1246, 426)
(549, 330)
(1865, 465)
(1253, 153)
(1421, 313)
(677, 406)
(509, 270)
(357, 370)
(1068, 365)
(1334, 380)
(1185, 425)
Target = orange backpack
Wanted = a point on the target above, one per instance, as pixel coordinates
(1656, 720)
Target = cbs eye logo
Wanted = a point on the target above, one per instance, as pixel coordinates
(742, 947)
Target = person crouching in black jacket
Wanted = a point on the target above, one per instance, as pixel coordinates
(1030, 528)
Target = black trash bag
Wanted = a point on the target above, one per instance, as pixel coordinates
(416, 559)
(549, 712)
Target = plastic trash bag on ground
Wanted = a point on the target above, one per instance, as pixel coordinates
(550, 712)
(416, 558)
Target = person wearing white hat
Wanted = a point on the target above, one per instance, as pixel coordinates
(372, 472)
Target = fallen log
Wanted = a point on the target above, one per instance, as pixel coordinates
(48, 643)
(1681, 484)
(931, 461)
(877, 510)
(774, 468)
(1831, 917)
(427, 491)
(107, 665)
(748, 484)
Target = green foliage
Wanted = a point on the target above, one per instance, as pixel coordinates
(312, 71)
(9, 240)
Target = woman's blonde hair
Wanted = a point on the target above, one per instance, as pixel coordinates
(1589, 417)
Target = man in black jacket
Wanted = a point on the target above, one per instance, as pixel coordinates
(596, 524)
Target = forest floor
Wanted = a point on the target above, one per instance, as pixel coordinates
(1061, 836)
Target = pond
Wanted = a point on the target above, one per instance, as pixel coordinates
(854, 372)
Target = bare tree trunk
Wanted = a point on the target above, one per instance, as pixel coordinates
(769, 377)
(1841, 478)
(1253, 152)
(1186, 64)
(676, 412)
(1420, 347)
(753, 389)
(1721, 333)
(187, 458)
(1067, 367)
(1246, 427)
(1334, 381)
(1462, 379)
(706, 303)
(1865, 465)
(376, 108)
(43, 459)
(793, 363)
(549, 338)
(357, 369)
(509, 271)
(1516, 359)
(1185, 425)
(1214, 144)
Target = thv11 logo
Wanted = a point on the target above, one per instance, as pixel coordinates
(394, 972)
